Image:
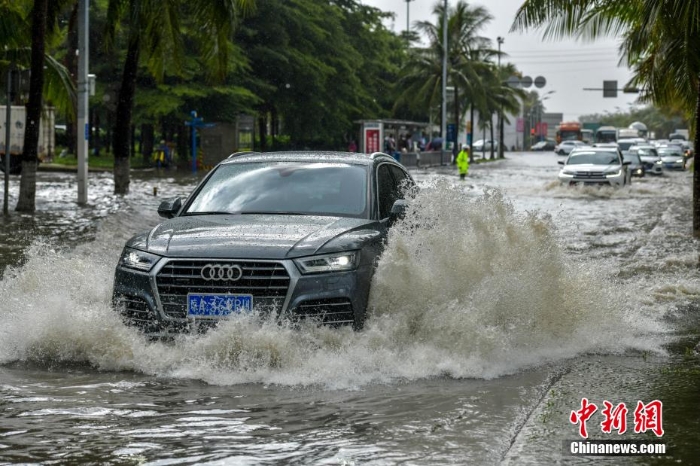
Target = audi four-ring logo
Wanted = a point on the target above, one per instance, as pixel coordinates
(219, 272)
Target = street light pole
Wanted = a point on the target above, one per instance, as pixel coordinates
(408, 23)
(83, 125)
(500, 41)
(443, 128)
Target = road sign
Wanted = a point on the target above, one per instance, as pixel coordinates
(609, 88)
(540, 82)
(526, 81)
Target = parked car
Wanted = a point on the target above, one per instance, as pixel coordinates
(543, 145)
(596, 166)
(636, 166)
(292, 233)
(649, 157)
(672, 157)
(484, 145)
(566, 147)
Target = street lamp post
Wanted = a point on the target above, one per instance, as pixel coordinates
(408, 23)
(500, 41)
(443, 127)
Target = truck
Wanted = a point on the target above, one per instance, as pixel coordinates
(569, 131)
(682, 134)
(18, 116)
(606, 134)
(627, 133)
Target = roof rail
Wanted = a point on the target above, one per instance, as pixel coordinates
(377, 154)
(236, 154)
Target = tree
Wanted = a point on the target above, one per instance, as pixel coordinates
(154, 37)
(467, 56)
(22, 23)
(660, 42)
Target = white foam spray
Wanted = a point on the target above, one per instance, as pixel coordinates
(466, 288)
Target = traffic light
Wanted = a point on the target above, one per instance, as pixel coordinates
(532, 131)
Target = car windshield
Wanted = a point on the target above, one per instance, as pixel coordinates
(284, 188)
(631, 157)
(625, 145)
(645, 151)
(670, 151)
(594, 158)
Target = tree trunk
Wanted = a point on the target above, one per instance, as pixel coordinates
(471, 139)
(491, 130)
(147, 142)
(71, 63)
(97, 142)
(27, 185)
(501, 149)
(122, 127)
(696, 170)
(262, 122)
(455, 148)
(182, 141)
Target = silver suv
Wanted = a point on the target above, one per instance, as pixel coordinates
(596, 166)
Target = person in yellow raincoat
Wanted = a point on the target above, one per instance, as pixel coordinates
(463, 162)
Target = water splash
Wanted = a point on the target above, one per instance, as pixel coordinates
(466, 288)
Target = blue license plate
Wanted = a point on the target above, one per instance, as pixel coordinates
(218, 305)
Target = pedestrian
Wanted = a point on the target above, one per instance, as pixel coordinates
(463, 162)
(352, 147)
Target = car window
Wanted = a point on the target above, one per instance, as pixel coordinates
(402, 180)
(595, 158)
(284, 188)
(388, 190)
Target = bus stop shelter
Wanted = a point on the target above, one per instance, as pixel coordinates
(373, 132)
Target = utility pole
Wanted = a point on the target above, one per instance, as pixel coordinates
(83, 124)
(408, 23)
(500, 41)
(443, 128)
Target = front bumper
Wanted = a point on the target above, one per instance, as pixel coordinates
(592, 180)
(333, 298)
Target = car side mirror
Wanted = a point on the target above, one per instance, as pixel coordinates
(627, 162)
(398, 210)
(170, 207)
(560, 162)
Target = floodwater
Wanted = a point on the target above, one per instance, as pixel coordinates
(501, 303)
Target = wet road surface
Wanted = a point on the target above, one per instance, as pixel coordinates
(488, 327)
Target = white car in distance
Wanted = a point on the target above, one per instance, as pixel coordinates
(595, 166)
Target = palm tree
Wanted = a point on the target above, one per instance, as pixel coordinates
(466, 56)
(154, 38)
(16, 33)
(661, 43)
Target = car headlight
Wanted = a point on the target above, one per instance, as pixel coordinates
(658, 162)
(567, 173)
(337, 262)
(615, 173)
(139, 260)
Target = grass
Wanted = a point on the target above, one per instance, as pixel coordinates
(104, 160)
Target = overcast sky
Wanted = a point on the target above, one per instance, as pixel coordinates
(567, 65)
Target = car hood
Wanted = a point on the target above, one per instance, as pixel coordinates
(671, 158)
(589, 167)
(649, 158)
(256, 236)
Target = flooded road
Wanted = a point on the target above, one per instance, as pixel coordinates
(513, 300)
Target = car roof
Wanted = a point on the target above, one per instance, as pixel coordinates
(309, 156)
